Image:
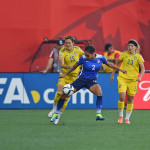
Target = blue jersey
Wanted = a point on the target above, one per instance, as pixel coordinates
(91, 67)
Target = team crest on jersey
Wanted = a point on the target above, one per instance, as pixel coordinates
(98, 60)
(135, 58)
(60, 54)
(75, 53)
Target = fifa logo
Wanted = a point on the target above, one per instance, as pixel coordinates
(13, 90)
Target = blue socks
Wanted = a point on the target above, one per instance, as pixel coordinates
(60, 105)
(99, 104)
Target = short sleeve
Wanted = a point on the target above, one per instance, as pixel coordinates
(61, 54)
(80, 61)
(140, 60)
(104, 60)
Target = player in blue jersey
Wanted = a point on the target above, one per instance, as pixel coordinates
(91, 64)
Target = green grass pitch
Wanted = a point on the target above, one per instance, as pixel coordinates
(77, 130)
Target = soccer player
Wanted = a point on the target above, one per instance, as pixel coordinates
(91, 64)
(131, 61)
(68, 56)
(111, 55)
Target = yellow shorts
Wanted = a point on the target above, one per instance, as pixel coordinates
(128, 86)
(66, 80)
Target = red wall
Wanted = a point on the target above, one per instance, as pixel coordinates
(24, 24)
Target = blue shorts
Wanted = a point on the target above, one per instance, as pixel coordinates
(83, 83)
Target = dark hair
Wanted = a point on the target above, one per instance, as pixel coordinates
(133, 42)
(69, 37)
(60, 42)
(107, 46)
(90, 49)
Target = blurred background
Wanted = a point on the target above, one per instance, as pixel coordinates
(25, 25)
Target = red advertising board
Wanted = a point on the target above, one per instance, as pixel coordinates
(142, 98)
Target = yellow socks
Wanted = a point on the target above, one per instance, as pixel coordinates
(129, 107)
(120, 107)
(56, 99)
(129, 110)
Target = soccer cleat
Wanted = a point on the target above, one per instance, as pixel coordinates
(99, 117)
(54, 117)
(120, 120)
(127, 121)
(57, 120)
(50, 114)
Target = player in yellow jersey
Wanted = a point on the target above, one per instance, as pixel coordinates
(131, 61)
(68, 56)
(111, 55)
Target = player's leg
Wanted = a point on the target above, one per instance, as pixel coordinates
(58, 107)
(60, 85)
(122, 87)
(132, 90)
(56, 99)
(63, 101)
(96, 89)
(68, 80)
(77, 84)
(122, 96)
(129, 108)
(62, 109)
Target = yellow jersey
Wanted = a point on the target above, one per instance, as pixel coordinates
(114, 55)
(71, 58)
(130, 63)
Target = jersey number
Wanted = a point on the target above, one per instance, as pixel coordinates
(130, 62)
(72, 59)
(93, 67)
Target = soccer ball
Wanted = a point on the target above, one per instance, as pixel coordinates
(68, 89)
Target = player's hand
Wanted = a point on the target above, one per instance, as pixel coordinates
(124, 71)
(138, 79)
(112, 79)
(68, 67)
(62, 76)
(43, 71)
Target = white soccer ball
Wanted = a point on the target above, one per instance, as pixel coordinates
(68, 89)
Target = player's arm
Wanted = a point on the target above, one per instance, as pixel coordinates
(142, 72)
(49, 65)
(71, 69)
(61, 60)
(114, 70)
(109, 64)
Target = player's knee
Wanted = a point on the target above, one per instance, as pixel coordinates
(130, 100)
(59, 93)
(122, 97)
(63, 96)
(99, 93)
